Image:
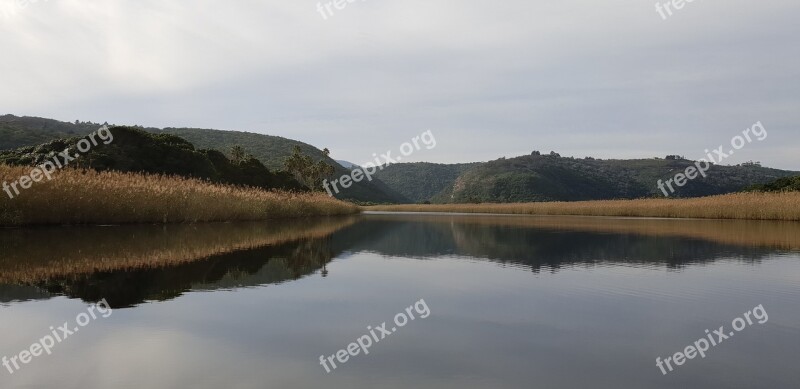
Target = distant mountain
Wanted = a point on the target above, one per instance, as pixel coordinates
(18, 131)
(272, 151)
(346, 165)
(556, 178)
(422, 181)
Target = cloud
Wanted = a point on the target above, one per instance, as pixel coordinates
(606, 79)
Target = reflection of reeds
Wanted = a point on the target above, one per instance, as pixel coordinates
(749, 233)
(89, 197)
(752, 206)
(33, 255)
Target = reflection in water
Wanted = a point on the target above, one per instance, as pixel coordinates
(553, 242)
(129, 265)
(577, 302)
(138, 263)
(31, 255)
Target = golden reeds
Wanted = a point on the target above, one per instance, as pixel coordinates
(752, 206)
(88, 197)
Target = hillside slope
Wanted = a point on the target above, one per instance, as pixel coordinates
(127, 149)
(272, 151)
(421, 181)
(16, 132)
(554, 178)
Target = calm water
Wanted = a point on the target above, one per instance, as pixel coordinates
(514, 302)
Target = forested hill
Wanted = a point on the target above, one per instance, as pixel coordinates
(555, 178)
(272, 151)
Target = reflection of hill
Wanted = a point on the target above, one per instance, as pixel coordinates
(552, 242)
(246, 268)
(33, 255)
(130, 265)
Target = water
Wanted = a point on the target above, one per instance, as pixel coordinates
(513, 302)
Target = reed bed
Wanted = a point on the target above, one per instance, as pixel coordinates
(752, 206)
(89, 197)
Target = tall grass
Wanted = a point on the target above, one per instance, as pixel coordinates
(88, 197)
(753, 206)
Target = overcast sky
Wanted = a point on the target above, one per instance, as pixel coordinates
(609, 79)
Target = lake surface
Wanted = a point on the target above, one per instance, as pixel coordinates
(506, 302)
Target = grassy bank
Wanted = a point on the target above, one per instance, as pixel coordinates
(88, 197)
(752, 206)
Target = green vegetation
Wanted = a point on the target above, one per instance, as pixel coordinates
(307, 171)
(18, 132)
(134, 150)
(421, 181)
(551, 177)
(535, 177)
(786, 184)
(271, 151)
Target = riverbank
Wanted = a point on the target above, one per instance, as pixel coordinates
(750, 206)
(77, 197)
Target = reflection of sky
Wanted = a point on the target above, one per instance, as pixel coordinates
(490, 326)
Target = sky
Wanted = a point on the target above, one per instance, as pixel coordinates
(609, 79)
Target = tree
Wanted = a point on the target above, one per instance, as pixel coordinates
(238, 154)
(307, 171)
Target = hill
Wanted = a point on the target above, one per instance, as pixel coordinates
(129, 149)
(16, 132)
(536, 177)
(786, 184)
(346, 164)
(272, 151)
(421, 181)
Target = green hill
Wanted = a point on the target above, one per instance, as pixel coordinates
(134, 150)
(555, 178)
(16, 132)
(786, 184)
(272, 151)
(421, 181)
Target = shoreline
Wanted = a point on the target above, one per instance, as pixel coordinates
(87, 197)
(782, 206)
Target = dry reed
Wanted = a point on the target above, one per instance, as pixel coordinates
(89, 197)
(752, 206)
